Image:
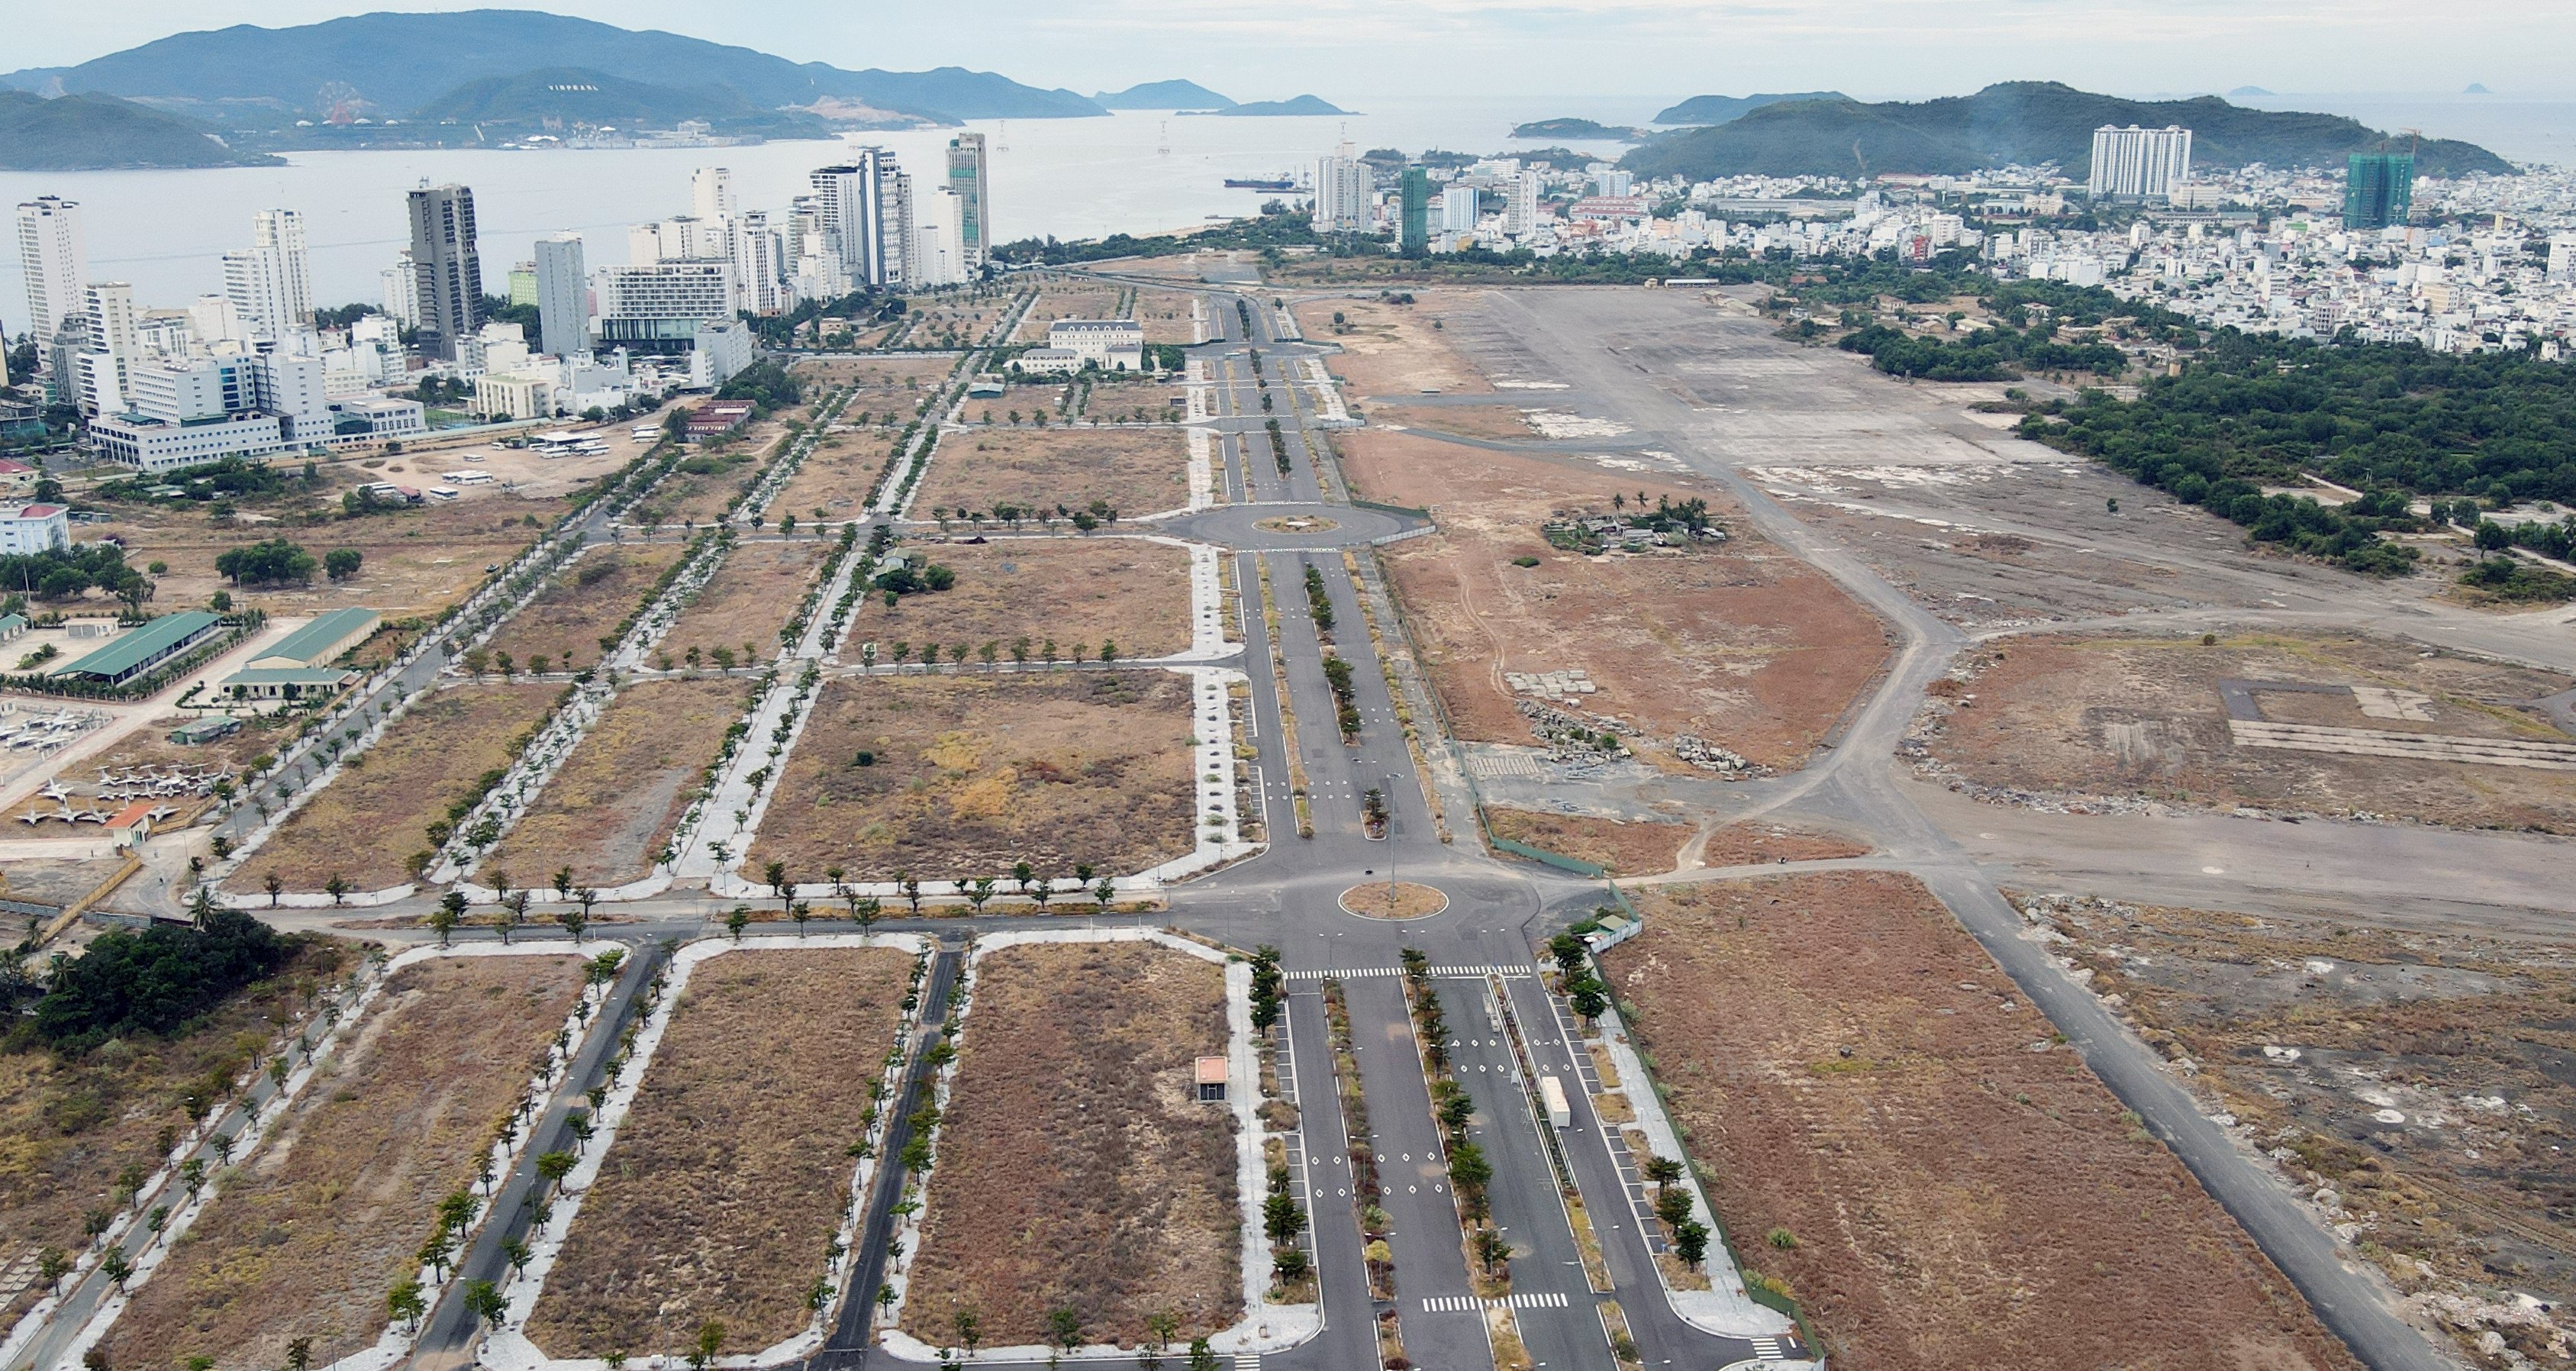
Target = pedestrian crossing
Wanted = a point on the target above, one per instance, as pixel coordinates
(1247, 1361)
(1363, 973)
(1768, 1349)
(1472, 1304)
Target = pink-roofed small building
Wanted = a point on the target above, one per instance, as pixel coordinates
(29, 529)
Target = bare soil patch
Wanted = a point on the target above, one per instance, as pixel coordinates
(877, 384)
(1133, 399)
(1136, 471)
(1739, 643)
(835, 478)
(1392, 349)
(1857, 1071)
(1393, 900)
(1166, 316)
(1472, 421)
(2142, 717)
(1620, 849)
(366, 823)
(617, 798)
(970, 774)
(2313, 1032)
(957, 320)
(707, 480)
(1068, 302)
(1071, 591)
(417, 560)
(68, 1125)
(1074, 1126)
(583, 604)
(311, 1231)
(1758, 841)
(748, 600)
(728, 1177)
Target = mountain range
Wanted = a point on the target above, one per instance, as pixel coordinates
(1705, 110)
(82, 132)
(2024, 122)
(1163, 95)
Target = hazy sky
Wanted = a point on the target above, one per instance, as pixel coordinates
(1618, 58)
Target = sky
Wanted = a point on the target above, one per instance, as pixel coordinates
(1618, 59)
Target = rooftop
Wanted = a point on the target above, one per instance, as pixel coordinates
(320, 639)
(123, 654)
(30, 511)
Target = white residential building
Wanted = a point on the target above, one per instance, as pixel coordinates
(114, 348)
(29, 529)
(1520, 211)
(761, 281)
(1458, 209)
(711, 193)
(191, 411)
(53, 262)
(1110, 344)
(941, 240)
(1342, 185)
(563, 296)
(271, 284)
(2135, 163)
(865, 205)
(400, 284)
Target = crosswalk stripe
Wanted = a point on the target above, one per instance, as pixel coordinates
(1513, 972)
(1469, 1304)
(1247, 1361)
(1767, 1349)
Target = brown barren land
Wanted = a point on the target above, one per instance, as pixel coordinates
(584, 603)
(1072, 590)
(1074, 1127)
(1136, 471)
(1619, 849)
(970, 774)
(1759, 841)
(1390, 350)
(366, 823)
(309, 1233)
(728, 1177)
(1068, 302)
(1959, 1188)
(416, 560)
(616, 799)
(749, 598)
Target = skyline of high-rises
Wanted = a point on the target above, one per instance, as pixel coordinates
(1341, 192)
(271, 282)
(446, 266)
(53, 261)
(2136, 163)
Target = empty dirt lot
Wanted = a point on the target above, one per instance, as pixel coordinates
(585, 602)
(2414, 1083)
(616, 800)
(877, 385)
(1390, 350)
(1166, 316)
(1129, 591)
(2139, 716)
(749, 598)
(1136, 471)
(1959, 1190)
(967, 775)
(365, 824)
(1619, 849)
(834, 480)
(958, 318)
(1074, 1127)
(417, 560)
(728, 1177)
(1069, 302)
(319, 1223)
(1737, 643)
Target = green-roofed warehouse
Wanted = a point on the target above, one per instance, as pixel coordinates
(320, 641)
(130, 655)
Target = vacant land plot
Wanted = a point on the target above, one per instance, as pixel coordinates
(1133, 400)
(877, 385)
(1760, 841)
(617, 798)
(2144, 717)
(1071, 591)
(1620, 849)
(416, 560)
(1390, 349)
(2415, 1080)
(748, 600)
(70, 1123)
(707, 480)
(1860, 1075)
(1473, 421)
(584, 604)
(951, 776)
(1135, 471)
(957, 320)
(729, 1177)
(365, 825)
(1074, 1127)
(309, 1234)
(1068, 302)
(834, 480)
(1739, 643)
(1166, 316)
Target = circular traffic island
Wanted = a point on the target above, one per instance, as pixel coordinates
(1297, 523)
(1393, 900)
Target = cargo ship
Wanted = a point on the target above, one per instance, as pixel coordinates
(1273, 183)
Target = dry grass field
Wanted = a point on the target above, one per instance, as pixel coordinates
(1071, 590)
(1620, 849)
(749, 598)
(1134, 400)
(1025, 398)
(418, 560)
(877, 384)
(1759, 840)
(1166, 316)
(698, 491)
(957, 318)
(69, 1124)
(317, 1225)
(1137, 471)
(1074, 1127)
(364, 825)
(1068, 302)
(728, 1176)
(967, 775)
(2142, 716)
(1738, 643)
(584, 603)
(616, 800)
(1505, 421)
(835, 478)
(1958, 1188)
(1393, 349)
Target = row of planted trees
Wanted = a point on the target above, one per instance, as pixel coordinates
(1589, 998)
(1470, 1173)
(864, 910)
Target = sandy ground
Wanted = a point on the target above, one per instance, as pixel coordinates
(2141, 717)
(585, 603)
(1134, 400)
(1505, 421)
(1071, 590)
(1739, 644)
(749, 598)
(1138, 471)
(312, 1230)
(958, 318)
(1894, 1133)
(1393, 349)
(616, 800)
(729, 1175)
(1074, 1126)
(971, 774)
(1762, 841)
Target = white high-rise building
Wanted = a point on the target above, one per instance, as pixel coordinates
(53, 261)
(106, 367)
(1342, 192)
(711, 193)
(1458, 210)
(968, 182)
(401, 288)
(213, 318)
(271, 284)
(563, 297)
(865, 206)
(760, 266)
(1520, 211)
(1612, 181)
(2136, 163)
(941, 240)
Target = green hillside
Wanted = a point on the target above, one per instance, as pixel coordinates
(91, 132)
(1585, 130)
(1707, 110)
(573, 96)
(2024, 122)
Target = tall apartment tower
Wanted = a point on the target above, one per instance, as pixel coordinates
(53, 260)
(1342, 192)
(967, 181)
(866, 205)
(711, 193)
(1520, 209)
(271, 284)
(107, 367)
(446, 268)
(563, 297)
(1415, 231)
(2139, 164)
(2378, 189)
